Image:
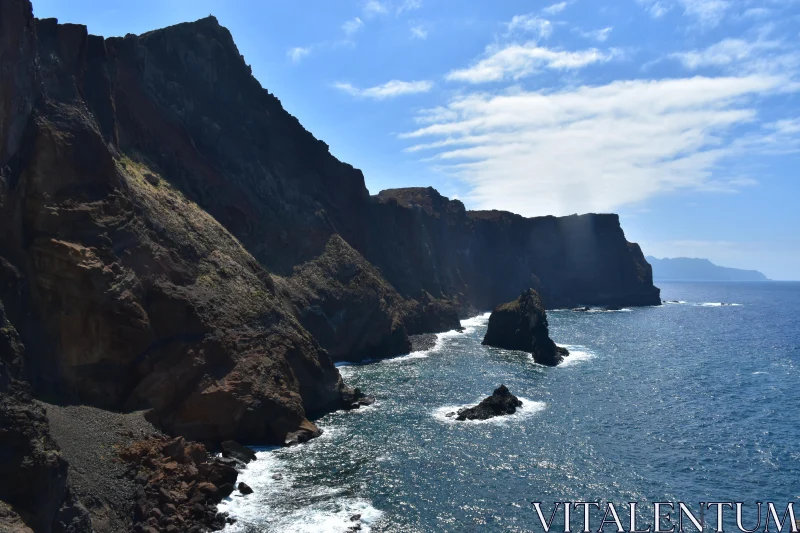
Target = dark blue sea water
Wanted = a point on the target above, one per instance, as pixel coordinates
(691, 401)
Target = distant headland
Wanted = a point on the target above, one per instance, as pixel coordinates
(691, 269)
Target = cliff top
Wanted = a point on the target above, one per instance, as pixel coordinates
(426, 198)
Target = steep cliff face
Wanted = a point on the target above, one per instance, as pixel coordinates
(180, 242)
(425, 242)
(137, 297)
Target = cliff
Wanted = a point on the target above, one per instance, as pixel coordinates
(424, 242)
(180, 243)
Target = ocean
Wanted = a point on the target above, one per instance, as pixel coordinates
(690, 401)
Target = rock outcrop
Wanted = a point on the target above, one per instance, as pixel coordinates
(181, 243)
(179, 485)
(500, 403)
(522, 325)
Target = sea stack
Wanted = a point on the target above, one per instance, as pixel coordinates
(522, 325)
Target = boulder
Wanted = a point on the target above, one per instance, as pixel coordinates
(237, 451)
(500, 403)
(244, 488)
(522, 325)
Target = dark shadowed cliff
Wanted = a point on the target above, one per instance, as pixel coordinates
(174, 240)
(425, 242)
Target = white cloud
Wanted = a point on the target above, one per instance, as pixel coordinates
(374, 7)
(517, 61)
(656, 8)
(352, 26)
(418, 32)
(757, 12)
(409, 5)
(555, 9)
(706, 13)
(389, 89)
(297, 53)
(743, 56)
(530, 23)
(592, 148)
(597, 35)
(724, 53)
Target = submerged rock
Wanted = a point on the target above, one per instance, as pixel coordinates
(500, 403)
(522, 325)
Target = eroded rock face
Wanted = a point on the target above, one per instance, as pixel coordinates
(500, 403)
(135, 296)
(522, 325)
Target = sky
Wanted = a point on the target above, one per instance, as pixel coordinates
(683, 116)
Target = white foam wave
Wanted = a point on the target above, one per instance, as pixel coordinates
(333, 517)
(274, 508)
(529, 408)
(601, 310)
(675, 302)
(758, 373)
(577, 355)
(422, 354)
(471, 324)
(718, 304)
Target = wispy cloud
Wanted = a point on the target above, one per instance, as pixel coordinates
(706, 13)
(656, 8)
(352, 26)
(592, 148)
(419, 32)
(409, 5)
(601, 35)
(297, 53)
(375, 7)
(530, 23)
(389, 89)
(555, 9)
(516, 61)
(725, 52)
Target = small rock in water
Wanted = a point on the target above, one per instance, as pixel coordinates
(500, 403)
(244, 488)
(277, 477)
(355, 518)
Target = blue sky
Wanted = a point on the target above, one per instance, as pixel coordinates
(681, 115)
